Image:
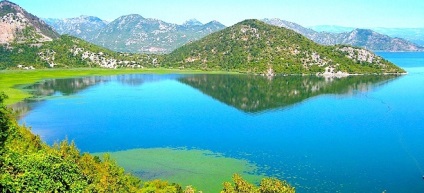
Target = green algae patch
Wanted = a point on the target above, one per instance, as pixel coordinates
(203, 169)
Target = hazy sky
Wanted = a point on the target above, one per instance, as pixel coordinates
(352, 13)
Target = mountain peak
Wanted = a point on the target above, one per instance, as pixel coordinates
(215, 23)
(277, 22)
(6, 2)
(192, 22)
(131, 16)
(87, 17)
(363, 30)
(7, 7)
(17, 25)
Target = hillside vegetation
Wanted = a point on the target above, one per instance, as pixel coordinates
(70, 52)
(253, 46)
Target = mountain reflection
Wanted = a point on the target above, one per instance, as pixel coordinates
(139, 79)
(245, 92)
(71, 86)
(64, 86)
(257, 93)
(47, 88)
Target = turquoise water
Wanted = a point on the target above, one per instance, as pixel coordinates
(358, 134)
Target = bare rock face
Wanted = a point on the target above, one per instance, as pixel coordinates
(7, 32)
(19, 26)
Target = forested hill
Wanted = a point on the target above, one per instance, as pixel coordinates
(253, 46)
(69, 52)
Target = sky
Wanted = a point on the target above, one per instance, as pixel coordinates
(349, 13)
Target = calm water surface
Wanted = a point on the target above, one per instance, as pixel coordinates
(358, 134)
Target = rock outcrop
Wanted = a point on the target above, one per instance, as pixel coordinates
(19, 26)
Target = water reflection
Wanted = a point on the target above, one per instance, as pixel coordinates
(70, 86)
(63, 87)
(139, 79)
(256, 93)
(247, 93)
(55, 87)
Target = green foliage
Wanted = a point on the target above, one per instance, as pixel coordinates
(4, 122)
(20, 54)
(159, 186)
(268, 185)
(272, 185)
(36, 172)
(28, 35)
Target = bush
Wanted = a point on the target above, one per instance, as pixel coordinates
(268, 185)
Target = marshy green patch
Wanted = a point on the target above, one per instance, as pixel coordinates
(203, 169)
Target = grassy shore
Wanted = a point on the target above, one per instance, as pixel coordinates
(11, 80)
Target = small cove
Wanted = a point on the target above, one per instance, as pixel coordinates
(359, 134)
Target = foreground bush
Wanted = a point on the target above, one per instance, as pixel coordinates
(268, 185)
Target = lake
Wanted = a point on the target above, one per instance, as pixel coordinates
(355, 134)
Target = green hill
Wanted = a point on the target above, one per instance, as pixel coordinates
(253, 46)
(69, 52)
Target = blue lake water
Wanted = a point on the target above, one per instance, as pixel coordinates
(357, 134)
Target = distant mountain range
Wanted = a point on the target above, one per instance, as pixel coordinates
(134, 33)
(364, 38)
(415, 35)
(84, 27)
